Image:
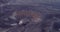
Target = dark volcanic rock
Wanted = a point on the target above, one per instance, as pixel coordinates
(50, 16)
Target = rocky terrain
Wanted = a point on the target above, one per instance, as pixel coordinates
(29, 16)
